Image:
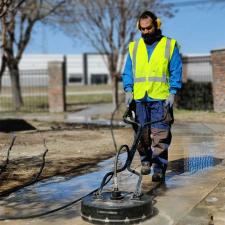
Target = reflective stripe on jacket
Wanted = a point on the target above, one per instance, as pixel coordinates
(151, 76)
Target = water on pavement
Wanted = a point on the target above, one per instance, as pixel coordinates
(195, 149)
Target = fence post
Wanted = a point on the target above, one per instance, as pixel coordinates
(85, 68)
(56, 90)
(218, 66)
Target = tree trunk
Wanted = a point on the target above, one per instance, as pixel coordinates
(115, 91)
(0, 84)
(15, 85)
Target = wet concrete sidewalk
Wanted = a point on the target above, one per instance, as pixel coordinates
(194, 192)
(83, 114)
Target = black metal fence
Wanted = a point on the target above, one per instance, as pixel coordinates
(34, 87)
(196, 93)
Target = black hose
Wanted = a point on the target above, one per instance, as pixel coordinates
(48, 212)
(130, 153)
(111, 173)
(3, 168)
(116, 163)
(53, 210)
(105, 181)
(137, 137)
(111, 125)
(34, 180)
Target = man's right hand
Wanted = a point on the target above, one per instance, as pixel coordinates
(170, 100)
(128, 98)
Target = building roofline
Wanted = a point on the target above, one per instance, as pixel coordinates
(218, 50)
(196, 55)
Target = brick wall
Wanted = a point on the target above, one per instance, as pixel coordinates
(56, 90)
(184, 69)
(218, 64)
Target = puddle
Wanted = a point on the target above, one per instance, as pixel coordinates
(86, 116)
(192, 164)
(55, 192)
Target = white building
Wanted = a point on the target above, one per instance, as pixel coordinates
(91, 69)
(198, 67)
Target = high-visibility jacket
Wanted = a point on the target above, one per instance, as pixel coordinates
(151, 76)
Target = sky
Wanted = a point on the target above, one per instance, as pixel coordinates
(198, 30)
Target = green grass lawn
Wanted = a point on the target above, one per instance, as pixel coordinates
(30, 104)
(40, 103)
(89, 99)
(83, 88)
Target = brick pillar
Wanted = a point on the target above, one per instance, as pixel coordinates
(218, 66)
(56, 90)
(184, 69)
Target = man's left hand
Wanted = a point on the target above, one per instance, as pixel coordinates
(170, 100)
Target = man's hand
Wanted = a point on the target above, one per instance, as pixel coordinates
(128, 98)
(170, 100)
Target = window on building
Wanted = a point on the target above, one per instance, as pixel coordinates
(75, 78)
(99, 78)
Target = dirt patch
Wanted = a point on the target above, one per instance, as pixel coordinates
(73, 149)
(70, 152)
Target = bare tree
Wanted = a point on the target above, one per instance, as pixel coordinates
(109, 26)
(5, 5)
(17, 22)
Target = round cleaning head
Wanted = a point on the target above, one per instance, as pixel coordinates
(106, 210)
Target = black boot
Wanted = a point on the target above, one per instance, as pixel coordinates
(158, 177)
(145, 168)
(159, 172)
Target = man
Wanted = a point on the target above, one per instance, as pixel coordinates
(152, 76)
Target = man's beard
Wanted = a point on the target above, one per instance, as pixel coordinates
(149, 39)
